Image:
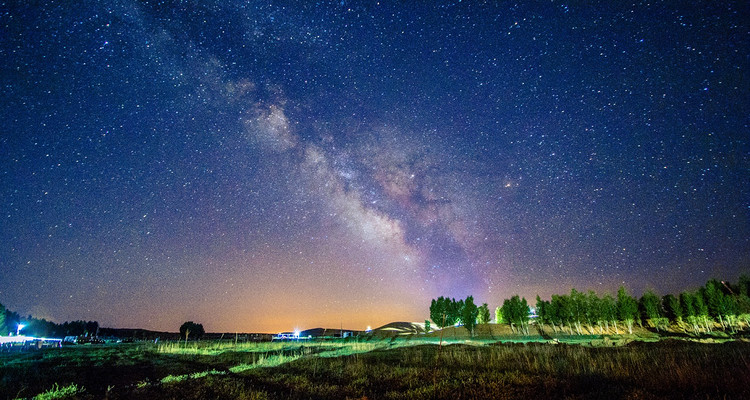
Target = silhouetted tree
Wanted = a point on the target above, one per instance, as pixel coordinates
(190, 328)
(92, 328)
(40, 327)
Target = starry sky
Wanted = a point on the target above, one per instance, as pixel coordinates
(269, 165)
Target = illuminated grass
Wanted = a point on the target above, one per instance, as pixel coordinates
(405, 367)
(58, 392)
(651, 370)
(196, 375)
(218, 347)
(266, 361)
(334, 348)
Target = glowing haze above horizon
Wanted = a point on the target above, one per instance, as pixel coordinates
(264, 166)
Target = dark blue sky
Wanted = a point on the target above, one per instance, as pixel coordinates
(258, 166)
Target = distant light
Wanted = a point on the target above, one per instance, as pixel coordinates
(296, 333)
(20, 326)
(368, 329)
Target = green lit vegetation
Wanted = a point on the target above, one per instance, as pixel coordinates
(401, 369)
(719, 307)
(409, 368)
(577, 345)
(58, 392)
(303, 347)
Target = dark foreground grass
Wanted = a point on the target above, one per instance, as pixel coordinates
(667, 369)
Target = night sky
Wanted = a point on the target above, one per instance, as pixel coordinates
(264, 166)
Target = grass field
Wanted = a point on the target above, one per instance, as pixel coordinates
(405, 368)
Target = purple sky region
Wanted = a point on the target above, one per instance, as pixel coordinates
(265, 166)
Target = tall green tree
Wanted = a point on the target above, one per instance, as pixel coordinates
(722, 305)
(542, 311)
(609, 311)
(459, 310)
(577, 309)
(453, 311)
(446, 311)
(627, 308)
(712, 296)
(552, 313)
(499, 315)
(651, 308)
(484, 314)
(516, 313)
(594, 312)
(672, 308)
(3, 328)
(701, 310)
(743, 298)
(438, 312)
(469, 313)
(687, 303)
(560, 305)
(743, 286)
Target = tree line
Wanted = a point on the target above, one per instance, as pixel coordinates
(717, 304)
(449, 312)
(40, 327)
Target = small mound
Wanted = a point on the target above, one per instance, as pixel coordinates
(399, 328)
(481, 331)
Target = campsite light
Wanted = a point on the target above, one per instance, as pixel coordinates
(368, 329)
(296, 333)
(20, 326)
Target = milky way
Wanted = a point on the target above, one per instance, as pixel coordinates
(256, 166)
